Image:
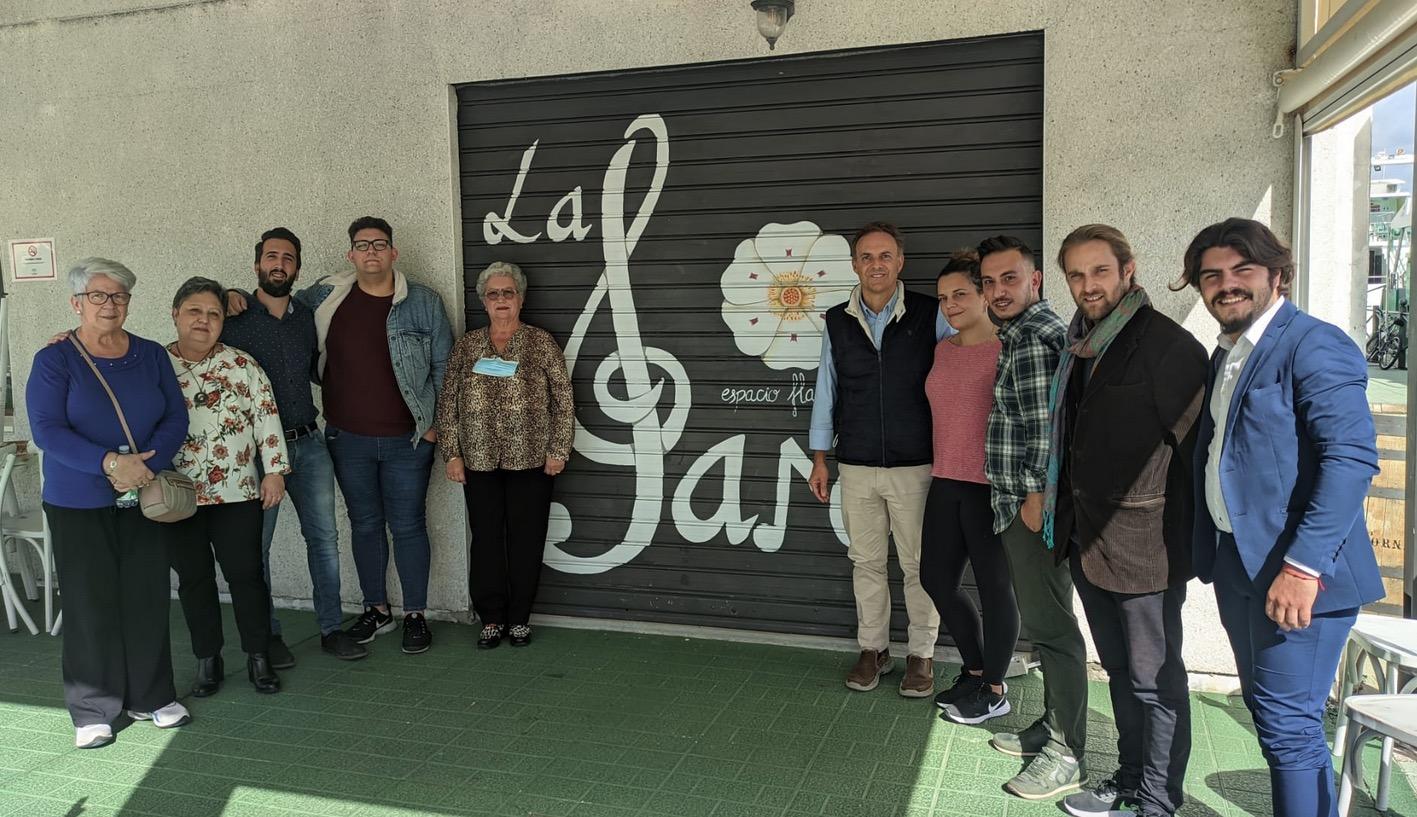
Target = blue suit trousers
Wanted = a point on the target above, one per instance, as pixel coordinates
(1285, 679)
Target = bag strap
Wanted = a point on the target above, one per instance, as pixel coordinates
(123, 421)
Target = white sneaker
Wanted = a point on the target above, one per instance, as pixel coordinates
(93, 736)
(168, 717)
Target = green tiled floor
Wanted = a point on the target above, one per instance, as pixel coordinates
(581, 724)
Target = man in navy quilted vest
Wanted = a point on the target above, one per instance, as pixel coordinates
(870, 408)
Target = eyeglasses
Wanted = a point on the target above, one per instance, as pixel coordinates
(500, 294)
(100, 298)
(377, 245)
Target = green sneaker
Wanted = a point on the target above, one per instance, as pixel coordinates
(1049, 774)
(1027, 743)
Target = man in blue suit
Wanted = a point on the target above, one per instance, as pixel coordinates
(1286, 449)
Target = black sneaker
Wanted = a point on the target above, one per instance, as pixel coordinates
(371, 624)
(279, 654)
(964, 684)
(417, 637)
(339, 644)
(979, 706)
(1106, 799)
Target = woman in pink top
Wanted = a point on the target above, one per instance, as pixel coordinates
(959, 522)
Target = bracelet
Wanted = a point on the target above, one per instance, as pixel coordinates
(1294, 571)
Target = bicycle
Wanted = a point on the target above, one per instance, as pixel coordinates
(1388, 345)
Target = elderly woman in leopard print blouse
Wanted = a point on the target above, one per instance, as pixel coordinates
(505, 422)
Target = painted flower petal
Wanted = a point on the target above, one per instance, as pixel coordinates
(753, 326)
(828, 263)
(747, 279)
(798, 345)
(783, 247)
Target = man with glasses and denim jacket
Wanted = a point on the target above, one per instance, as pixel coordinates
(384, 343)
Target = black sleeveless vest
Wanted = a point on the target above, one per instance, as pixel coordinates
(881, 416)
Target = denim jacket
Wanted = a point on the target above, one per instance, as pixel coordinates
(420, 338)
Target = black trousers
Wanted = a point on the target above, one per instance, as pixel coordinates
(113, 568)
(508, 512)
(1138, 640)
(959, 529)
(232, 533)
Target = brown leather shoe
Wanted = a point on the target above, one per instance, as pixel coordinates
(868, 670)
(919, 680)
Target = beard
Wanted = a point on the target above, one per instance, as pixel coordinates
(1259, 302)
(273, 288)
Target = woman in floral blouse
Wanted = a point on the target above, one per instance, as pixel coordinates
(505, 421)
(232, 428)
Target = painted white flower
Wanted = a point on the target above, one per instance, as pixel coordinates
(778, 289)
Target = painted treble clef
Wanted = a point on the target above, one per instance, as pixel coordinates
(651, 439)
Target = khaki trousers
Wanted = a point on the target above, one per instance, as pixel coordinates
(878, 504)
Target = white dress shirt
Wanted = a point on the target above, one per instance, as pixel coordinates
(1237, 354)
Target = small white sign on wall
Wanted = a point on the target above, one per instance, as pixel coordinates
(32, 259)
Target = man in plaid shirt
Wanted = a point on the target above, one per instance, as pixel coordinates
(1016, 462)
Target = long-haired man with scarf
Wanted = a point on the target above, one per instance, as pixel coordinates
(1118, 505)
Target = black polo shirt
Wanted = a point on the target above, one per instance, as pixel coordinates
(286, 348)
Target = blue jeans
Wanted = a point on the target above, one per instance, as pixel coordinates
(311, 486)
(385, 484)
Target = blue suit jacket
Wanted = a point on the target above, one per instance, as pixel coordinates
(1300, 450)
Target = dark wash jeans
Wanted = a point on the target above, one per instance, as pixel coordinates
(311, 487)
(385, 484)
(1138, 638)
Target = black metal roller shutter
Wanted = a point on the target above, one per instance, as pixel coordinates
(682, 229)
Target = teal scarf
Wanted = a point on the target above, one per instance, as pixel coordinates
(1088, 344)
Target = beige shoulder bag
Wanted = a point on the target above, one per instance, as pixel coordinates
(170, 497)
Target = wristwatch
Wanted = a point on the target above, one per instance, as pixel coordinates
(112, 464)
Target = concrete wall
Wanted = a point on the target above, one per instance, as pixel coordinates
(1338, 231)
(170, 137)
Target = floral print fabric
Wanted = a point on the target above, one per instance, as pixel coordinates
(232, 424)
(515, 422)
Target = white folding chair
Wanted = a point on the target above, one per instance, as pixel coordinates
(1391, 717)
(1389, 646)
(14, 605)
(30, 527)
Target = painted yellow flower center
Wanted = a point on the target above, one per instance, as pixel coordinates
(791, 296)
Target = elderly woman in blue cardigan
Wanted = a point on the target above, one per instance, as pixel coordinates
(110, 558)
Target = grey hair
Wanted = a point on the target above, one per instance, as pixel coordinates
(196, 285)
(88, 269)
(497, 268)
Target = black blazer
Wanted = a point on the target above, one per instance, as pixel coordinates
(1125, 495)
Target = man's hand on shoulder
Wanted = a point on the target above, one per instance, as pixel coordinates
(235, 302)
